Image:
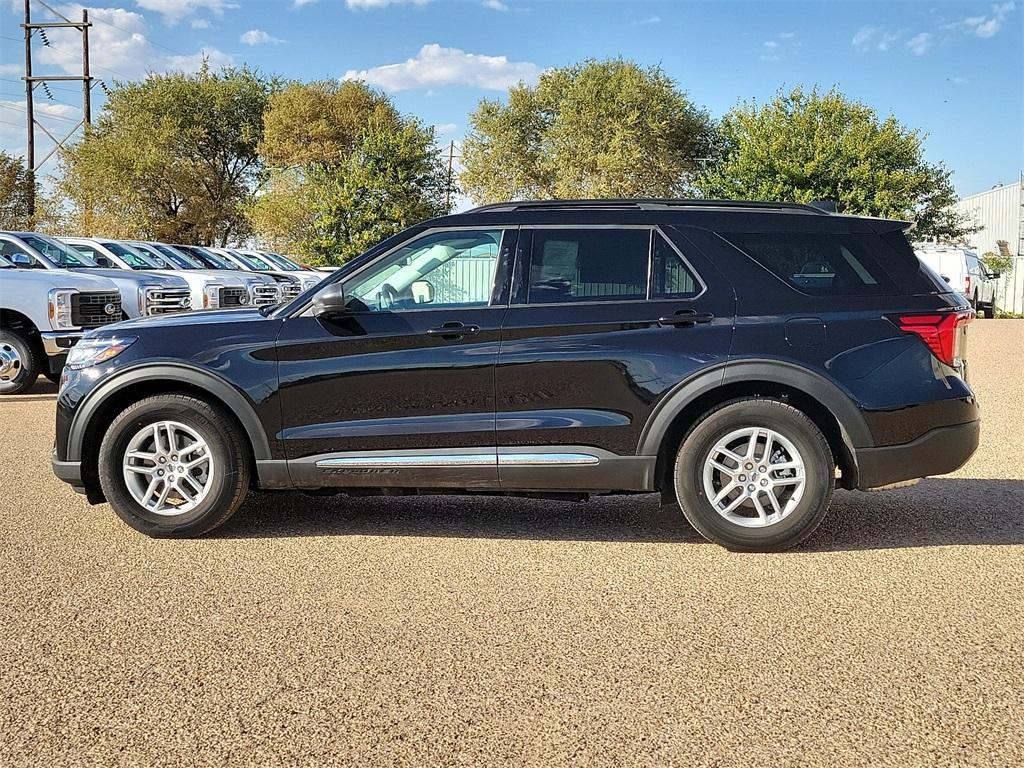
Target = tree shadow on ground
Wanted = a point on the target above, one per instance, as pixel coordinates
(939, 512)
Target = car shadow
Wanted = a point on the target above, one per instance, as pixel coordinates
(937, 512)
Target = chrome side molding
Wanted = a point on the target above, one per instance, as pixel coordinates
(410, 461)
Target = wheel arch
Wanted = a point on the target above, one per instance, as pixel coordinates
(825, 404)
(113, 396)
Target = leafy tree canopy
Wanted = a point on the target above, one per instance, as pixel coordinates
(173, 157)
(16, 188)
(596, 129)
(347, 171)
(808, 145)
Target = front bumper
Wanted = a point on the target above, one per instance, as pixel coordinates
(936, 452)
(70, 472)
(57, 343)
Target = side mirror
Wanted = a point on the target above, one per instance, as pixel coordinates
(329, 301)
(103, 261)
(20, 259)
(946, 278)
(422, 292)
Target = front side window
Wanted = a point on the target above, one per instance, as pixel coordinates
(57, 253)
(443, 269)
(583, 265)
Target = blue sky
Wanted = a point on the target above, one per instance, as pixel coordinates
(952, 69)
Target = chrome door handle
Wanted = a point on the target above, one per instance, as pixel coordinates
(686, 317)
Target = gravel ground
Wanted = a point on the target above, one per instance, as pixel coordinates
(450, 631)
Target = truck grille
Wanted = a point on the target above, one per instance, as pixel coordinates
(233, 297)
(265, 294)
(91, 310)
(290, 290)
(166, 301)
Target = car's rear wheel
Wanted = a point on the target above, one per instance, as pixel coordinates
(755, 475)
(174, 465)
(19, 363)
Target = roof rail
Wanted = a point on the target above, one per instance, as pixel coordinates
(643, 204)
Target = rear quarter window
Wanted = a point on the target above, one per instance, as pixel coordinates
(830, 264)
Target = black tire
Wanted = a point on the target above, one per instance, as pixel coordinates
(792, 424)
(25, 360)
(228, 449)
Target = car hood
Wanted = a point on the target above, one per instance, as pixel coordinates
(198, 317)
(140, 278)
(56, 278)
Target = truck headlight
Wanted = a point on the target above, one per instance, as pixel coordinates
(60, 309)
(211, 296)
(93, 351)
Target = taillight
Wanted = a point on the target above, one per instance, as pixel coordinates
(967, 285)
(938, 331)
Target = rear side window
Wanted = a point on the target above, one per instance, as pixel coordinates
(589, 265)
(834, 264)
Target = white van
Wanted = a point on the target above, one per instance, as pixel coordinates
(963, 270)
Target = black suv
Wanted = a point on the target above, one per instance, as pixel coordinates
(741, 358)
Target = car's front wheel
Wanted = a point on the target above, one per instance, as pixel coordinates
(19, 363)
(755, 475)
(174, 465)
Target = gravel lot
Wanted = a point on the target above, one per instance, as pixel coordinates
(450, 631)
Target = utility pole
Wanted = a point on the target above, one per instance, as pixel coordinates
(448, 190)
(30, 83)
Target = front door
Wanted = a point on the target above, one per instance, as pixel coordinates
(603, 323)
(399, 390)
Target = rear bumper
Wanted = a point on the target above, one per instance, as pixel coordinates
(936, 452)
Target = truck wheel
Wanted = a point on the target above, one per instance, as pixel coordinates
(174, 466)
(19, 363)
(755, 475)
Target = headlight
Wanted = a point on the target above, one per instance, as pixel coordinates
(93, 351)
(211, 296)
(60, 309)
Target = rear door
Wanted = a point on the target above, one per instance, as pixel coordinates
(603, 322)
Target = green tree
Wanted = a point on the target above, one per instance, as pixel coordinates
(173, 157)
(807, 145)
(596, 129)
(346, 171)
(16, 191)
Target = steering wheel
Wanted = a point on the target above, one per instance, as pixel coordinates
(388, 296)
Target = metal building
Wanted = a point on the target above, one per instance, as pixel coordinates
(1000, 214)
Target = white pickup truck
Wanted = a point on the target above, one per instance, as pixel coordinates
(43, 313)
(141, 295)
(963, 270)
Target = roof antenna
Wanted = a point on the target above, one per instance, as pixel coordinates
(829, 206)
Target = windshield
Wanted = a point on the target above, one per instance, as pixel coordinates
(283, 263)
(210, 259)
(178, 256)
(162, 261)
(58, 253)
(130, 256)
(252, 261)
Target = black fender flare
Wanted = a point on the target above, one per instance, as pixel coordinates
(233, 398)
(852, 426)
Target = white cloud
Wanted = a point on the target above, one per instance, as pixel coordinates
(445, 129)
(920, 43)
(648, 20)
(58, 118)
(174, 11)
(360, 4)
(12, 69)
(495, 5)
(258, 37)
(200, 24)
(118, 47)
(986, 25)
(875, 38)
(301, 3)
(779, 47)
(435, 65)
